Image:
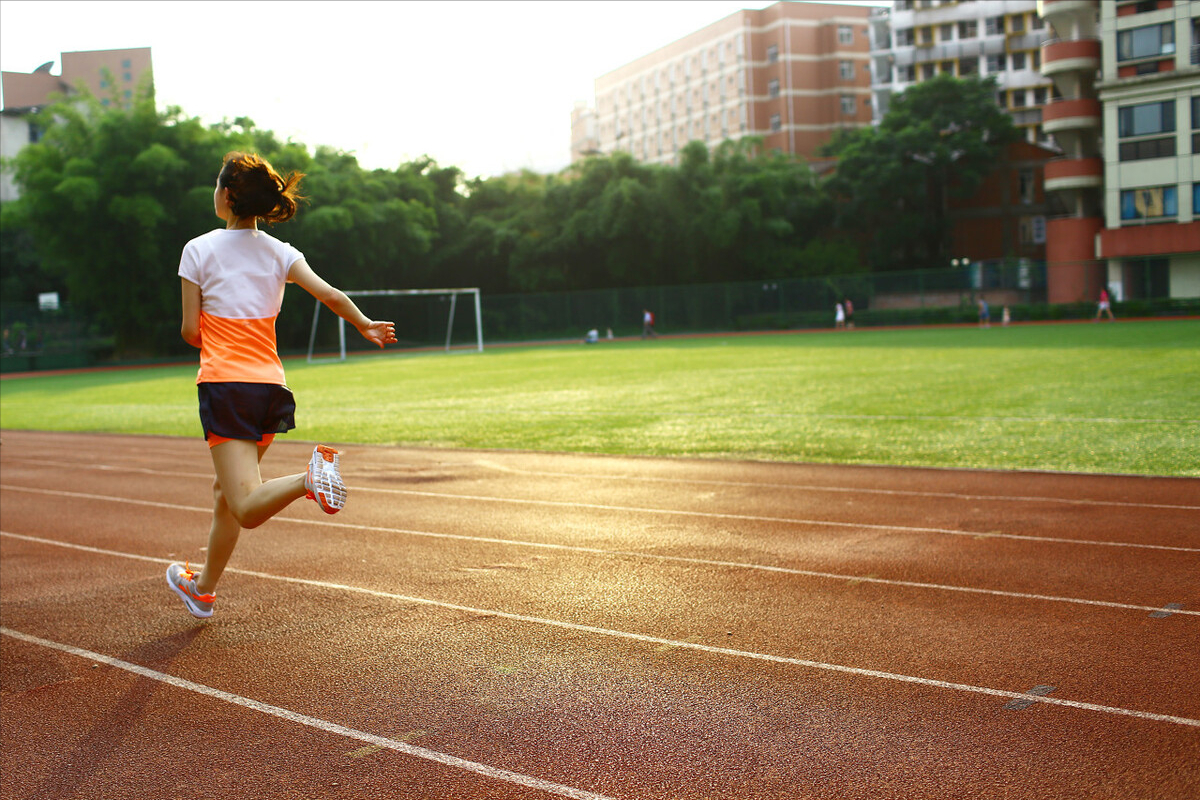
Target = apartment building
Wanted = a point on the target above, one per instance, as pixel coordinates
(918, 39)
(1127, 115)
(792, 73)
(1150, 98)
(113, 76)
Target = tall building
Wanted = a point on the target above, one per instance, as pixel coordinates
(1128, 73)
(1150, 96)
(113, 76)
(792, 73)
(918, 39)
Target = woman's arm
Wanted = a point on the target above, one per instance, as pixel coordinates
(335, 300)
(190, 329)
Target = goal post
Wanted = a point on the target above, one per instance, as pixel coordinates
(452, 293)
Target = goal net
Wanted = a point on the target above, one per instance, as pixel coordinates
(425, 319)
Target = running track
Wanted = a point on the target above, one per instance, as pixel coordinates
(520, 625)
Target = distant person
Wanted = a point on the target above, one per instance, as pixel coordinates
(985, 318)
(1005, 316)
(849, 313)
(1104, 306)
(648, 324)
(233, 280)
(592, 337)
(839, 316)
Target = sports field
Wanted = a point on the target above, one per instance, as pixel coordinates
(1110, 398)
(488, 619)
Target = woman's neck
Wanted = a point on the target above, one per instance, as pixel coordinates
(241, 224)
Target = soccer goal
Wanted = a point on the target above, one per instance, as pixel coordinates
(419, 314)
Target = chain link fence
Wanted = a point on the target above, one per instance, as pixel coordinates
(37, 339)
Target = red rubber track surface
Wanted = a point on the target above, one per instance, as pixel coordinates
(518, 625)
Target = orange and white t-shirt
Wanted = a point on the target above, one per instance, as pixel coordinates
(241, 275)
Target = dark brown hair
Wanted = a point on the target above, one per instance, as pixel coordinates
(256, 190)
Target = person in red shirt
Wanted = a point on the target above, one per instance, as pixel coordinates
(1104, 306)
(232, 283)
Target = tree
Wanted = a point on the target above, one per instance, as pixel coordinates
(893, 184)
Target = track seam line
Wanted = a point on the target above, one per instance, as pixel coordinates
(312, 722)
(646, 639)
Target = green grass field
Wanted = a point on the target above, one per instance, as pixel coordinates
(1114, 398)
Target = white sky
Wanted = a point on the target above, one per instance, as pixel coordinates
(485, 86)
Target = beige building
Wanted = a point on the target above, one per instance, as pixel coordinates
(915, 40)
(113, 76)
(793, 73)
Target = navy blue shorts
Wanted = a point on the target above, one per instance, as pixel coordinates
(251, 411)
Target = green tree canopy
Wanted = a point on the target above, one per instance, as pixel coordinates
(939, 140)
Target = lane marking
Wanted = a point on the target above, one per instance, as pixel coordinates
(618, 553)
(682, 513)
(313, 722)
(703, 482)
(838, 489)
(1026, 702)
(780, 520)
(672, 643)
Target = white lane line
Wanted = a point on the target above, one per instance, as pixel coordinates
(803, 487)
(617, 553)
(1155, 610)
(313, 722)
(694, 481)
(781, 520)
(686, 645)
(672, 512)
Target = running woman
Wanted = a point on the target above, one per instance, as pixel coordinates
(233, 281)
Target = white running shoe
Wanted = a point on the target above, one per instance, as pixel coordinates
(182, 581)
(323, 482)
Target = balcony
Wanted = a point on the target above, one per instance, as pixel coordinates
(1052, 9)
(1065, 115)
(1074, 55)
(1074, 173)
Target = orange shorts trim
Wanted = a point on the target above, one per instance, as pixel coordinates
(214, 440)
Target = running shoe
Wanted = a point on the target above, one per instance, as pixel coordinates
(323, 482)
(183, 582)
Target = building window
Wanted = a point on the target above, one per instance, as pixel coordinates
(1195, 199)
(1195, 128)
(1018, 61)
(1016, 23)
(968, 29)
(995, 63)
(906, 73)
(772, 53)
(1149, 42)
(993, 26)
(845, 34)
(946, 32)
(1025, 186)
(968, 66)
(776, 123)
(126, 64)
(848, 105)
(1153, 202)
(925, 35)
(1148, 119)
(846, 70)
(904, 37)
(773, 87)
